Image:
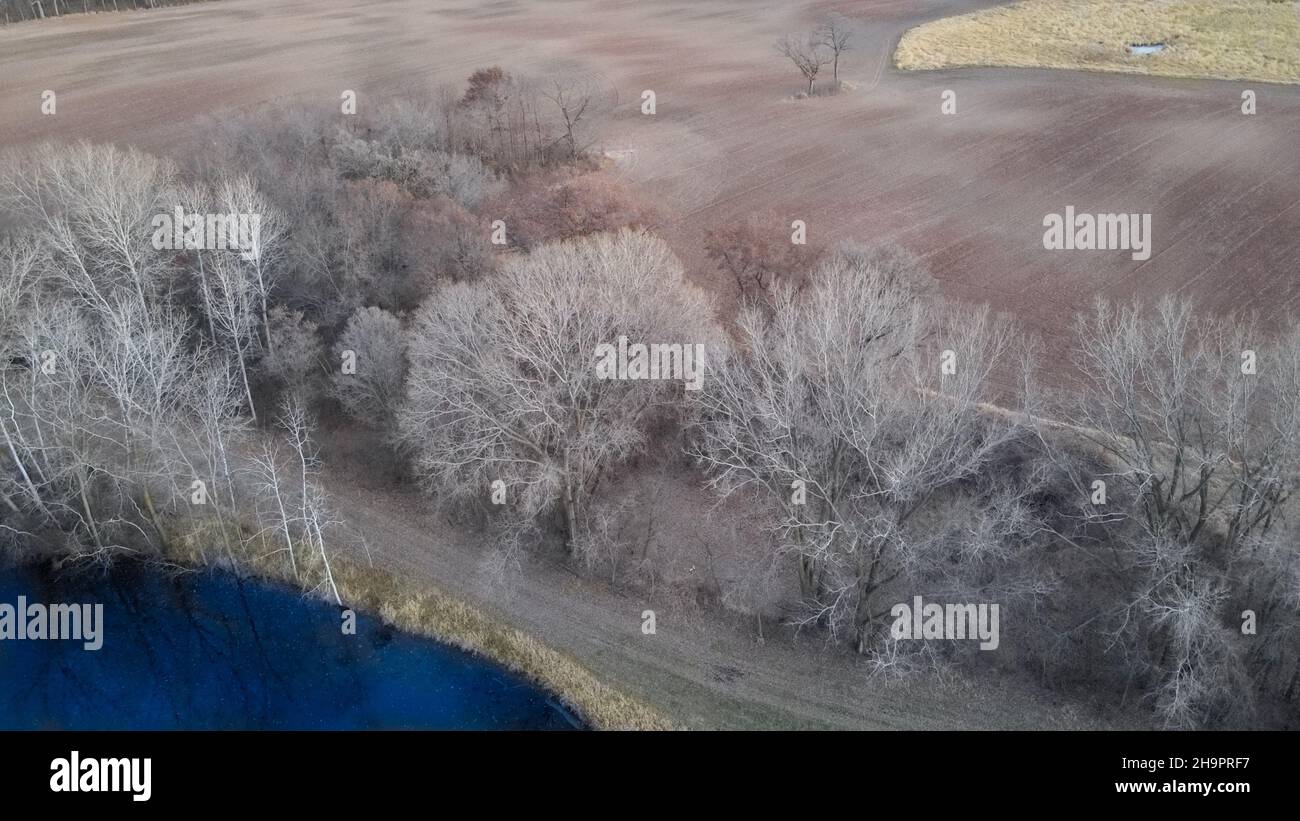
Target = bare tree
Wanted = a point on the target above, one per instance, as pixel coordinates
(141, 367)
(807, 54)
(206, 442)
(93, 207)
(372, 388)
(571, 97)
(837, 411)
(504, 385)
(197, 200)
(313, 514)
(232, 306)
(66, 455)
(297, 356)
(273, 487)
(756, 253)
(835, 34)
(1199, 453)
(240, 196)
(104, 382)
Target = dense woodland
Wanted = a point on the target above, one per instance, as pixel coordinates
(147, 396)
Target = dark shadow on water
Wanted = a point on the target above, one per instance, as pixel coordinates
(213, 651)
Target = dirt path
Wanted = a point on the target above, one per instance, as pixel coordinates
(702, 668)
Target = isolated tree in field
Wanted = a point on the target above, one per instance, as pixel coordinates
(1200, 459)
(375, 345)
(807, 54)
(836, 35)
(877, 465)
(503, 381)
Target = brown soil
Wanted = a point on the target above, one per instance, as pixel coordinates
(968, 191)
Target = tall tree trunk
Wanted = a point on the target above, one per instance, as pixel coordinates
(203, 283)
(22, 471)
(329, 573)
(243, 374)
(85, 507)
(154, 518)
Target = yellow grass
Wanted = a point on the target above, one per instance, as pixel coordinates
(1223, 39)
(424, 610)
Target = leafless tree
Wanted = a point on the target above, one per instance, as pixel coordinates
(232, 306)
(141, 367)
(206, 443)
(372, 389)
(1199, 447)
(313, 514)
(837, 411)
(62, 435)
(274, 490)
(503, 383)
(756, 253)
(807, 54)
(93, 207)
(103, 381)
(835, 34)
(240, 196)
(571, 97)
(297, 356)
(196, 199)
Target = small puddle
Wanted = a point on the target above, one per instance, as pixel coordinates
(1146, 48)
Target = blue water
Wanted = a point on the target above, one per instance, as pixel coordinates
(212, 651)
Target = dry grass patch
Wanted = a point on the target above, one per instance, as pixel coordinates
(1222, 39)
